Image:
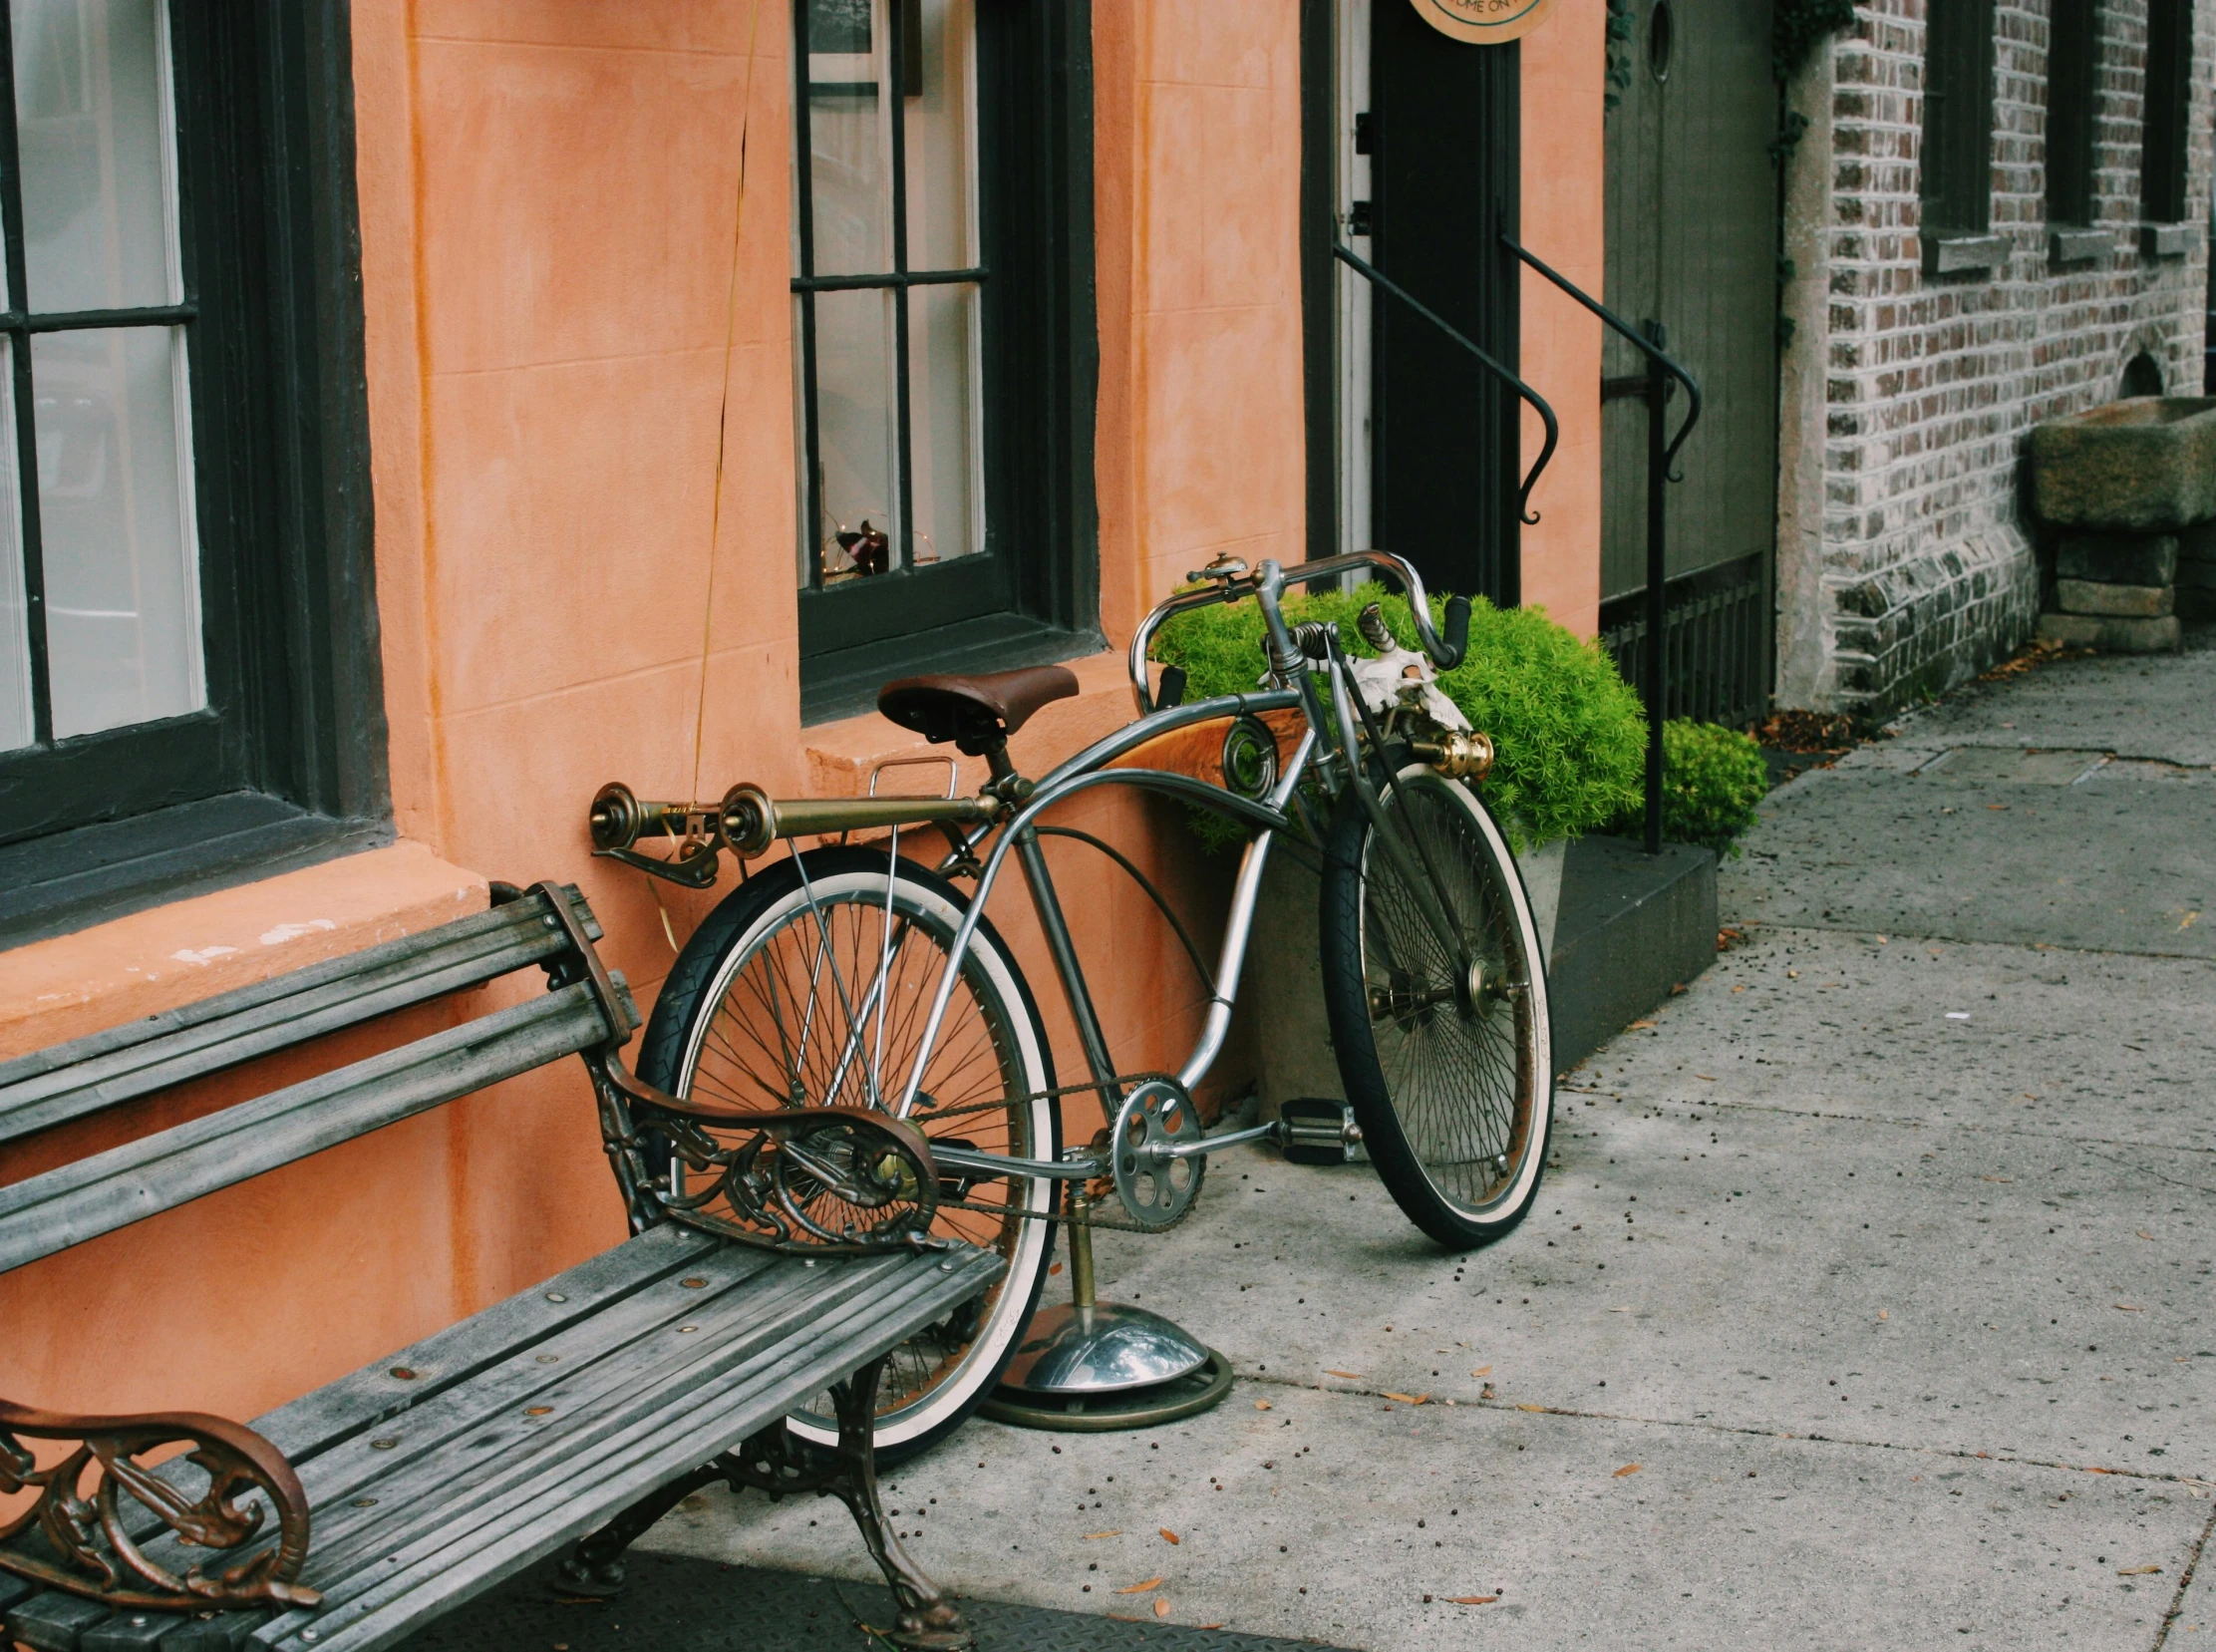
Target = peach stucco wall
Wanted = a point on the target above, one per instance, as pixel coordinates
(566, 283)
(1563, 71)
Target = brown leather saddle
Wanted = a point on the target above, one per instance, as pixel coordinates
(977, 713)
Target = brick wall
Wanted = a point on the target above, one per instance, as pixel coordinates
(1906, 563)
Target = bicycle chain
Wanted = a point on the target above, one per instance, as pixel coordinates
(1100, 1187)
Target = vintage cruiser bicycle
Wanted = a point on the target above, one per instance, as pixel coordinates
(855, 976)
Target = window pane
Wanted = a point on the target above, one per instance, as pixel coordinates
(940, 128)
(15, 640)
(92, 117)
(122, 609)
(849, 137)
(943, 413)
(857, 435)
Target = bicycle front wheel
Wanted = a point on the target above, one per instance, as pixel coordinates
(810, 987)
(1444, 1054)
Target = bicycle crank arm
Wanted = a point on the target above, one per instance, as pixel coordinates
(1273, 1133)
(984, 1166)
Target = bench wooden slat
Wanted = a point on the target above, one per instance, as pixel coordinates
(108, 1190)
(71, 1081)
(634, 1381)
(482, 1542)
(311, 1424)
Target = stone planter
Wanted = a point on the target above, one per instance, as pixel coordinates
(1282, 988)
(2146, 465)
(2123, 481)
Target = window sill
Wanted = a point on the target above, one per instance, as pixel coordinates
(2078, 246)
(65, 987)
(845, 683)
(1962, 252)
(69, 879)
(2165, 240)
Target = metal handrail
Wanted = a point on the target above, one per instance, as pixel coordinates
(1370, 273)
(1661, 457)
(1656, 355)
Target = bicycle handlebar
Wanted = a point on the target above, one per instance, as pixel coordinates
(1269, 580)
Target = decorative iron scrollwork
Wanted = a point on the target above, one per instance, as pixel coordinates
(92, 1508)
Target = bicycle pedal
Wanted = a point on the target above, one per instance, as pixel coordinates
(1319, 1131)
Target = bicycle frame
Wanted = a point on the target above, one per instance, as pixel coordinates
(1007, 811)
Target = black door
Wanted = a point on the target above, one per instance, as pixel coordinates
(1444, 139)
(1692, 230)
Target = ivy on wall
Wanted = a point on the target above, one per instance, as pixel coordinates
(1798, 27)
(1619, 53)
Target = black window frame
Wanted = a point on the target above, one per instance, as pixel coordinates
(2168, 105)
(286, 764)
(2072, 92)
(1955, 181)
(1033, 593)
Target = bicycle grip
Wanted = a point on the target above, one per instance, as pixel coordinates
(1458, 632)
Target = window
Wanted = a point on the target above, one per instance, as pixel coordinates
(2073, 68)
(187, 666)
(1957, 184)
(942, 338)
(2168, 105)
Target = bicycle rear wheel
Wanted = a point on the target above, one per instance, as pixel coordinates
(812, 991)
(1449, 1073)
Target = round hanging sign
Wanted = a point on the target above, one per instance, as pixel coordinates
(1483, 22)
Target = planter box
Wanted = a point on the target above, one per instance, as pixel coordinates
(1619, 930)
(2146, 465)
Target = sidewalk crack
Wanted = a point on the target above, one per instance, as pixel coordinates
(2197, 1485)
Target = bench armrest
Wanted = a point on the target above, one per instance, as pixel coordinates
(98, 1539)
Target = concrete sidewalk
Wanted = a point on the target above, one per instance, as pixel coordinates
(1870, 1305)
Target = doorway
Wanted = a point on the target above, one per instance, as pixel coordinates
(1692, 246)
(1426, 144)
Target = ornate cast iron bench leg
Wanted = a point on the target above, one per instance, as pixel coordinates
(773, 1461)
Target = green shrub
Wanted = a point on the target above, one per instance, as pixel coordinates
(1712, 780)
(1569, 732)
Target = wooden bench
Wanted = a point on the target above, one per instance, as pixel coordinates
(786, 1257)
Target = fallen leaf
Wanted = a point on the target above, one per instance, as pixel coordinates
(1706, 1078)
(2130, 1309)
(1093, 1536)
(1055, 1269)
(1261, 1405)
(1884, 1314)
(2186, 922)
(2146, 1235)
(1408, 1399)
(2091, 1469)
(2139, 1571)
(1351, 1376)
(1792, 974)
(1170, 1537)
(1530, 1407)
(1161, 1606)
(1472, 1599)
(1642, 1024)
(1142, 1588)
(1627, 1468)
(1482, 1371)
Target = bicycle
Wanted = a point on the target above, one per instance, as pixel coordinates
(854, 977)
